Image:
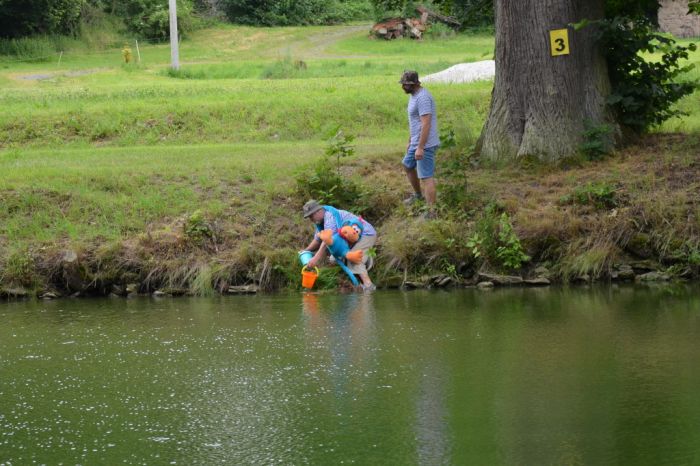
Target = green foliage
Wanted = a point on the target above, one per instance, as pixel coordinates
(150, 18)
(440, 31)
(35, 49)
(340, 146)
(694, 7)
(326, 183)
(643, 91)
(495, 241)
(20, 18)
(197, 229)
(19, 269)
(302, 12)
(454, 162)
(509, 251)
(597, 140)
(471, 13)
(632, 8)
(284, 69)
(475, 244)
(599, 195)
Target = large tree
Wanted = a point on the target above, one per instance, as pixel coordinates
(545, 104)
(542, 103)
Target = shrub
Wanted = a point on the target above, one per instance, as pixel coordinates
(150, 18)
(326, 183)
(509, 250)
(20, 18)
(197, 229)
(597, 140)
(455, 156)
(643, 92)
(286, 13)
(494, 240)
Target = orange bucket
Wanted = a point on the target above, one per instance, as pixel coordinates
(308, 277)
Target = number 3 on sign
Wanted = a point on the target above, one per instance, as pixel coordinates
(559, 40)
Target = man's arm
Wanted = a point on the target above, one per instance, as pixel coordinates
(313, 245)
(425, 122)
(318, 256)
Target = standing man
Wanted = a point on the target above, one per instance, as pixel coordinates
(423, 142)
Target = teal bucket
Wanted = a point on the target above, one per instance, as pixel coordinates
(305, 257)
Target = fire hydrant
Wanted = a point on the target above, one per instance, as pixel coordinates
(126, 53)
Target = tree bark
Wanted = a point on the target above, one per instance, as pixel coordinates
(541, 103)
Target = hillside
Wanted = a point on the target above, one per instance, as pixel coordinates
(127, 174)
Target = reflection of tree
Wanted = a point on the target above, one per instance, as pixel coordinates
(592, 376)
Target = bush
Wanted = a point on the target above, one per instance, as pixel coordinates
(643, 92)
(494, 240)
(325, 184)
(150, 18)
(21, 18)
(509, 250)
(455, 156)
(597, 140)
(302, 12)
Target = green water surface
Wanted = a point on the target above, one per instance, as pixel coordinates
(520, 376)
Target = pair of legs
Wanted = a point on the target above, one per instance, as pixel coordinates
(420, 173)
(425, 186)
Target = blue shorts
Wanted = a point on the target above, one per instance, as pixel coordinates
(426, 166)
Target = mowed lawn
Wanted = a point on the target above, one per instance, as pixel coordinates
(93, 149)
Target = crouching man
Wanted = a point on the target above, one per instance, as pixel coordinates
(327, 218)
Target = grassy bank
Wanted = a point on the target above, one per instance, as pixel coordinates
(192, 181)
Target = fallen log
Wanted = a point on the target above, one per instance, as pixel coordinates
(426, 15)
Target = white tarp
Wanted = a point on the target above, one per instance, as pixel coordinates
(463, 73)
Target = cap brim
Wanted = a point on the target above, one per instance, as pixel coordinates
(312, 212)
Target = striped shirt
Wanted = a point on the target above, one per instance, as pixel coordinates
(329, 223)
(419, 104)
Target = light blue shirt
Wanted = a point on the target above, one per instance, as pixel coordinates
(419, 104)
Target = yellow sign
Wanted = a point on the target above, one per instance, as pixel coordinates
(559, 40)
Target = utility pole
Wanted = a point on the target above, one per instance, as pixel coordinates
(174, 50)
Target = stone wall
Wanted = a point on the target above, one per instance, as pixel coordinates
(674, 18)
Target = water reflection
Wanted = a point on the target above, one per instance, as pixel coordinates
(598, 376)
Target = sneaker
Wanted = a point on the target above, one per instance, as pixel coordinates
(429, 215)
(370, 287)
(413, 198)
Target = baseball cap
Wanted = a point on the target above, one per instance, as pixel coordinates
(409, 77)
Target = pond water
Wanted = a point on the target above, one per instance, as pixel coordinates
(519, 376)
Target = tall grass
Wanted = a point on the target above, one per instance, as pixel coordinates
(32, 49)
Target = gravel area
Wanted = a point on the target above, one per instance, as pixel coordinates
(463, 73)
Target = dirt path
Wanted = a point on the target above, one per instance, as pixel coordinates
(69, 74)
(315, 46)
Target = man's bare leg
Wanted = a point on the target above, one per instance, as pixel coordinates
(429, 191)
(412, 176)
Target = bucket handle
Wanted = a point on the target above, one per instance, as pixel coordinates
(306, 269)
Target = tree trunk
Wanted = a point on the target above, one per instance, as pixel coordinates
(541, 103)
